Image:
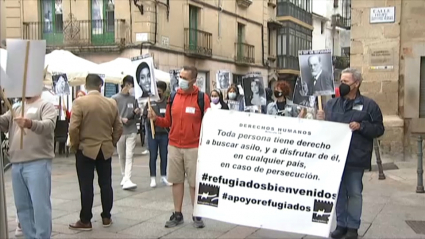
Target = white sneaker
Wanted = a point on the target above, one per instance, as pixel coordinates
(165, 181)
(128, 185)
(153, 182)
(123, 181)
(18, 232)
(145, 152)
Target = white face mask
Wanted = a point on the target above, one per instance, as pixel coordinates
(183, 84)
(232, 95)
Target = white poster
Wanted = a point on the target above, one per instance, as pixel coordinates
(223, 80)
(15, 68)
(144, 76)
(200, 81)
(285, 173)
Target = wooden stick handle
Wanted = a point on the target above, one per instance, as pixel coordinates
(319, 99)
(151, 120)
(24, 89)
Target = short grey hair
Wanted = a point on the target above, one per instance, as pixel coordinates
(357, 75)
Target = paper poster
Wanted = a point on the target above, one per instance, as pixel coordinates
(275, 168)
(223, 80)
(61, 84)
(15, 68)
(145, 81)
(317, 71)
(253, 88)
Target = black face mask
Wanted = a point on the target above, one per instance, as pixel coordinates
(344, 89)
(278, 94)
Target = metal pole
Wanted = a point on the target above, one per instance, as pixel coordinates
(378, 160)
(420, 184)
(3, 210)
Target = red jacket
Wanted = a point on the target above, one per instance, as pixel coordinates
(185, 126)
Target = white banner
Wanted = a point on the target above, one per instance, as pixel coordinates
(269, 172)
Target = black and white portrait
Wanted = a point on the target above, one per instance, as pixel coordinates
(317, 72)
(174, 80)
(200, 81)
(145, 78)
(223, 80)
(301, 96)
(60, 84)
(254, 93)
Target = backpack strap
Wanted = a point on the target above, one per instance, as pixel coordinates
(170, 102)
(201, 103)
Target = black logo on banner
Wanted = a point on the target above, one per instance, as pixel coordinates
(322, 211)
(208, 194)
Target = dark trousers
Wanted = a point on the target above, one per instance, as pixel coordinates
(160, 142)
(85, 171)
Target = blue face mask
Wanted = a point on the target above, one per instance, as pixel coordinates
(183, 84)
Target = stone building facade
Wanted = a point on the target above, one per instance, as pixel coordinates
(212, 35)
(391, 57)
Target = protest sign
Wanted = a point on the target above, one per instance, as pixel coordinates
(278, 173)
(25, 68)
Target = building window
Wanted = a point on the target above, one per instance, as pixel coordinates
(290, 39)
(103, 21)
(193, 27)
(299, 9)
(52, 17)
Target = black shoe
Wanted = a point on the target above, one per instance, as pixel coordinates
(352, 234)
(198, 222)
(175, 220)
(339, 232)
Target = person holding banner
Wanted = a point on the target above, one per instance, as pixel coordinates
(217, 101)
(129, 111)
(184, 116)
(280, 108)
(32, 165)
(235, 100)
(364, 118)
(94, 132)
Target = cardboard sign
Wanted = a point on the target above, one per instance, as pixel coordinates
(17, 68)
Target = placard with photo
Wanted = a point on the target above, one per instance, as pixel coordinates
(317, 71)
(145, 81)
(254, 92)
(224, 80)
(60, 84)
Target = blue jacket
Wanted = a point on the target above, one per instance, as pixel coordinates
(364, 111)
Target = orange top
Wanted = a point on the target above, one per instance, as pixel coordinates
(185, 119)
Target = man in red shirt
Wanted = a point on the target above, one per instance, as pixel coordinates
(184, 117)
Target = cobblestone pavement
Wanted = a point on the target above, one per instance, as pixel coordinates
(143, 212)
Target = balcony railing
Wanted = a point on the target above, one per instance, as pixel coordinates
(290, 9)
(288, 62)
(342, 22)
(245, 53)
(77, 33)
(341, 62)
(197, 43)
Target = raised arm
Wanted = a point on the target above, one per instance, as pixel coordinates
(47, 123)
(374, 128)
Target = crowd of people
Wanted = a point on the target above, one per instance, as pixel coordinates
(98, 125)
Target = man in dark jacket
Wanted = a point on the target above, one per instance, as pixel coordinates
(365, 120)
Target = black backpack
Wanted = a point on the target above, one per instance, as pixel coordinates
(201, 102)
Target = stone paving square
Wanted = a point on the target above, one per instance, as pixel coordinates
(142, 213)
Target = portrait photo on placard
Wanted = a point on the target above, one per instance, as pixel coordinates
(145, 77)
(60, 84)
(301, 96)
(200, 81)
(174, 80)
(223, 80)
(254, 92)
(317, 71)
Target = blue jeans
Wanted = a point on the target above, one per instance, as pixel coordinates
(31, 188)
(350, 199)
(160, 142)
